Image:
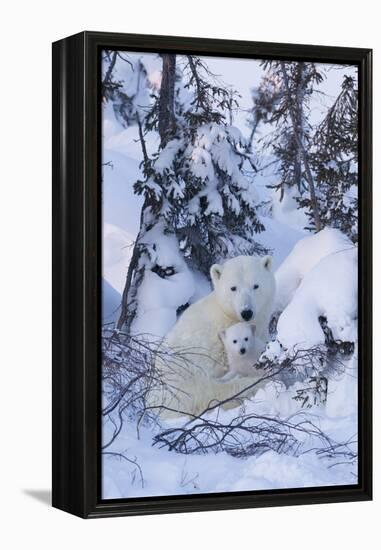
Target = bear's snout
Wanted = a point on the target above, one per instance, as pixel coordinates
(242, 351)
(246, 314)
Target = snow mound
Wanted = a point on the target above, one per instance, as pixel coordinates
(160, 296)
(328, 289)
(305, 255)
(117, 251)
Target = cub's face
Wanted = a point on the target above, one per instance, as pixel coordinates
(243, 286)
(239, 339)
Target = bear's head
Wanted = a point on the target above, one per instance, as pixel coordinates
(244, 286)
(239, 339)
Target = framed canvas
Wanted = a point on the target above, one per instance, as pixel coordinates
(211, 274)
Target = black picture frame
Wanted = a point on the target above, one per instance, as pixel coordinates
(77, 266)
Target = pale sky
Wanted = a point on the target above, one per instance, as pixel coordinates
(245, 74)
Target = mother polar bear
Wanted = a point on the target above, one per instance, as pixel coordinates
(192, 358)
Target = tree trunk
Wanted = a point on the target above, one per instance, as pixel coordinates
(300, 90)
(129, 306)
(108, 74)
(309, 176)
(167, 99)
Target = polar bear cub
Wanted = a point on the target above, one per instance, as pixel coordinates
(243, 349)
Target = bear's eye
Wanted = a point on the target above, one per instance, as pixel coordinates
(234, 341)
(255, 287)
(233, 288)
(246, 339)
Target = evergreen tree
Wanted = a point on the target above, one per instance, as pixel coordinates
(153, 225)
(265, 98)
(126, 86)
(209, 203)
(282, 100)
(196, 197)
(335, 162)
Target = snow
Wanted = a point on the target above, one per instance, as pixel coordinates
(110, 302)
(214, 473)
(123, 140)
(160, 297)
(278, 238)
(316, 275)
(304, 256)
(202, 287)
(117, 251)
(342, 397)
(349, 195)
(329, 289)
(128, 73)
(212, 148)
(214, 202)
(176, 474)
(286, 211)
(118, 179)
(167, 155)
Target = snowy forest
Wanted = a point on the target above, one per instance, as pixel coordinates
(205, 159)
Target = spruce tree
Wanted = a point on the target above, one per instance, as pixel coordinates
(335, 162)
(283, 101)
(195, 192)
(146, 252)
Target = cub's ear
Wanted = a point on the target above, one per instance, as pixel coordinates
(267, 262)
(253, 328)
(215, 272)
(222, 335)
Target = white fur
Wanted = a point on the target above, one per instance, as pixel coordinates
(241, 284)
(243, 349)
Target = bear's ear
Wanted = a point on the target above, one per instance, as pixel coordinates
(215, 272)
(222, 335)
(267, 262)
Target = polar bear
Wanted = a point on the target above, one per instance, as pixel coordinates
(192, 358)
(243, 349)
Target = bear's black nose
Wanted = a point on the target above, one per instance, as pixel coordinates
(242, 351)
(246, 314)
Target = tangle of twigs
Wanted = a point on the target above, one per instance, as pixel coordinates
(129, 375)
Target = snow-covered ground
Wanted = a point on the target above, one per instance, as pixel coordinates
(164, 472)
(161, 472)
(316, 276)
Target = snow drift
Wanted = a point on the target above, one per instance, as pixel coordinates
(318, 279)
